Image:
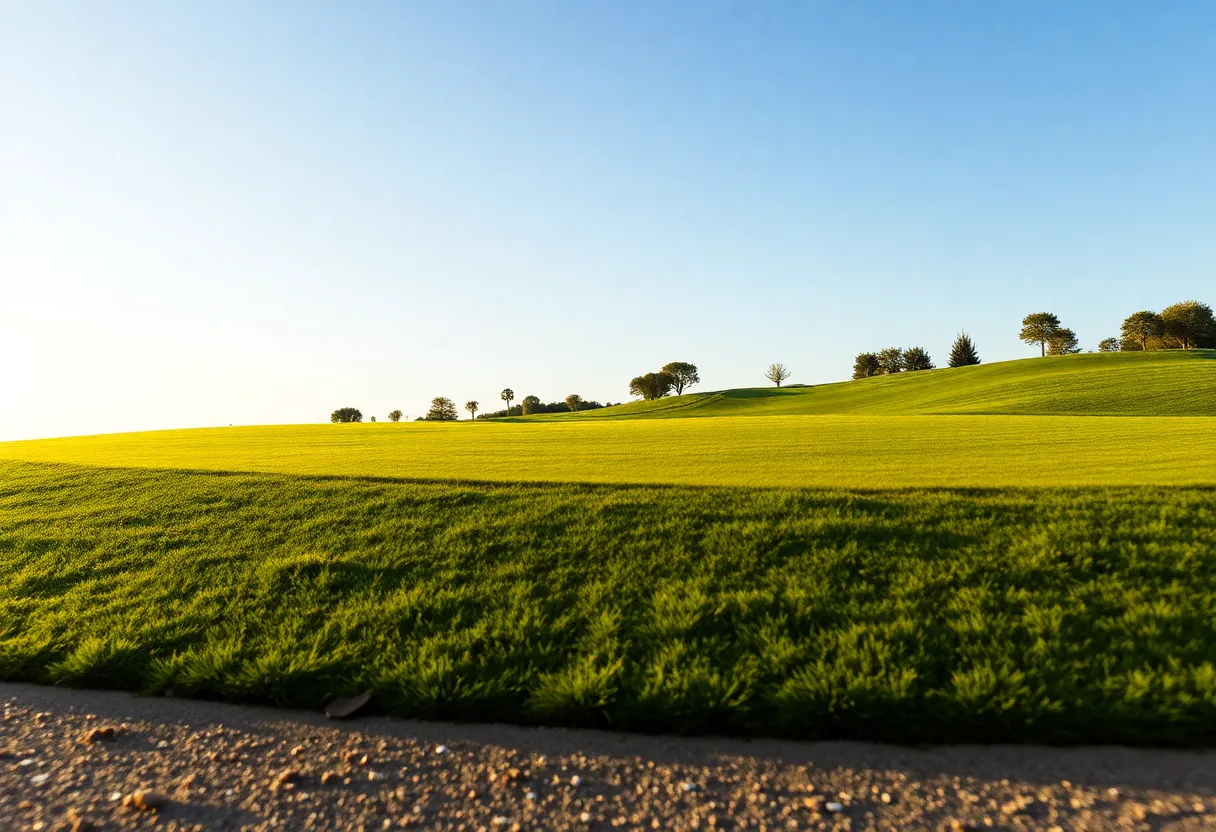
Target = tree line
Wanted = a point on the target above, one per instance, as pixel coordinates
(1187, 325)
(893, 360)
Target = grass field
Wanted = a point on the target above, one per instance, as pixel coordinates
(1021, 614)
(872, 575)
(1169, 383)
(846, 451)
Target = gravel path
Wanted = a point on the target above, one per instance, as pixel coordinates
(100, 760)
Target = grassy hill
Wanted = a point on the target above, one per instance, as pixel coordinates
(1165, 383)
(836, 561)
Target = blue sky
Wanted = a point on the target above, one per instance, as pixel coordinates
(216, 213)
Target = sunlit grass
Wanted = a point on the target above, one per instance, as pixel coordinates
(1012, 614)
(846, 451)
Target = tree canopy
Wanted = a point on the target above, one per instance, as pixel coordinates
(394, 415)
(917, 358)
(442, 409)
(777, 373)
(890, 361)
(652, 385)
(472, 408)
(962, 353)
(573, 401)
(1063, 342)
(1038, 328)
(683, 375)
(1141, 327)
(1109, 345)
(346, 414)
(1188, 323)
(865, 365)
(529, 405)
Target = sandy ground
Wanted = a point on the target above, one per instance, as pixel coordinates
(102, 760)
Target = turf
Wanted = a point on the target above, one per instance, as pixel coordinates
(844, 451)
(1063, 615)
(1164, 383)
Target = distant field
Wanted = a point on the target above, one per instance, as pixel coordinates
(845, 451)
(1166, 383)
(1061, 615)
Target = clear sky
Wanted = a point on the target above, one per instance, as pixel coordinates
(232, 212)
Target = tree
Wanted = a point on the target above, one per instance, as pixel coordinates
(652, 385)
(507, 396)
(865, 365)
(1109, 345)
(346, 414)
(373, 418)
(394, 416)
(529, 405)
(573, 401)
(1038, 328)
(1062, 342)
(963, 353)
(1189, 322)
(916, 358)
(472, 408)
(777, 373)
(683, 375)
(442, 410)
(890, 361)
(1142, 326)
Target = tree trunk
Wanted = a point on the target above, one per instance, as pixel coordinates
(1042, 349)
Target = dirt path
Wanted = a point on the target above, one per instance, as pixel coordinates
(211, 766)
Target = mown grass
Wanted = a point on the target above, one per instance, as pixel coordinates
(1166, 383)
(1061, 615)
(832, 451)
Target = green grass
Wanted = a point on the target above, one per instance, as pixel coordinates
(846, 451)
(981, 615)
(834, 561)
(1167, 383)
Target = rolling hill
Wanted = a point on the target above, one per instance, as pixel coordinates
(1166, 383)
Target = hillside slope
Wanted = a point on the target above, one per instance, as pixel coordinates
(1170, 383)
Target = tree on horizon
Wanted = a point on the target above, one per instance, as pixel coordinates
(442, 409)
(890, 361)
(651, 386)
(1109, 345)
(1038, 328)
(1141, 326)
(507, 395)
(573, 401)
(1063, 342)
(917, 358)
(865, 365)
(346, 415)
(777, 373)
(1188, 322)
(963, 353)
(394, 415)
(683, 375)
(472, 408)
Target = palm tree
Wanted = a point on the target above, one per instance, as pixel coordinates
(472, 408)
(507, 396)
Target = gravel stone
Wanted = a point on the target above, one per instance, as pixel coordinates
(187, 766)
